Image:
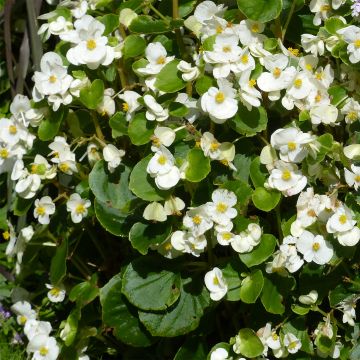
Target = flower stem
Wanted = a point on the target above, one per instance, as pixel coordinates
(98, 130)
(278, 222)
(159, 14)
(291, 12)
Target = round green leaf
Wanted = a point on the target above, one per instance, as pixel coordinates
(50, 125)
(111, 22)
(271, 298)
(264, 199)
(182, 317)
(260, 253)
(112, 219)
(260, 10)
(140, 129)
(258, 172)
(118, 124)
(249, 343)
(142, 185)
(142, 235)
(119, 314)
(178, 109)
(111, 188)
(91, 96)
(203, 84)
(249, 123)
(169, 79)
(251, 287)
(231, 273)
(299, 309)
(148, 287)
(58, 263)
(198, 167)
(144, 24)
(134, 45)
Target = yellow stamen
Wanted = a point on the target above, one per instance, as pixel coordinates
(298, 83)
(91, 44)
(220, 97)
(309, 67)
(43, 351)
(214, 146)
(80, 209)
(311, 213)
(12, 129)
(168, 246)
(219, 29)
(275, 336)
(244, 59)
(286, 175)
(55, 291)
(294, 52)
(342, 219)
(162, 160)
(227, 236)
(34, 168)
(221, 207)
(255, 28)
(216, 281)
(292, 345)
(291, 145)
(277, 72)
(252, 83)
(40, 210)
(22, 319)
(125, 107)
(4, 153)
(357, 178)
(6, 235)
(197, 219)
(319, 75)
(52, 79)
(64, 167)
(156, 141)
(316, 246)
(161, 60)
(325, 8)
(318, 98)
(352, 115)
(357, 43)
(227, 49)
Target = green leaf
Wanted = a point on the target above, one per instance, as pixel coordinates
(111, 22)
(338, 294)
(184, 316)
(251, 287)
(249, 343)
(142, 235)
(72, 326)
(242, 164)
(298, 327)
(118, 124)
(198, 165)
(119, 314)
(148, 286)
(337, 94)
(260, 10)
(142, 185)
(231, 273)
(91, 96)
(194, 349)
(111, 188)
(169, 79)
(299, 309)
(249, 123)
(50, 125)
(134, 45)
(58, 263)
(332, 25)
(264, 199)
(258, 172)
(241, 189)
(140, 129)
(3, 218)
(22, 206)
(203, 84)
(113, 220)
(261, 252)
(178, 109)
(271, 298)
(326, 142)
(145, 24)
(185, 7)
(85, 292)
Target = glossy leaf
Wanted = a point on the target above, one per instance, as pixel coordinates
(169, 79)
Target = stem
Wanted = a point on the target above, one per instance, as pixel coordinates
(99, 133)
(278, 29)
(122, 74)
(291, 12)
(189, 89)
(179, 38)
(278, 221)
(122, 31)
(158, 13)
(96, 244)
(81, 267)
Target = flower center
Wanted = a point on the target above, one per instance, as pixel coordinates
(161, 60)
(6, 235)
(221, 207)
(294, 52)
(22, 319)
(162, 160)
(319, 75)
(219, 29)
(64, 167)
(252, 83)
(325, 8)
(196, 219)
(352, 115)
(168, 246)
(286, 175)
(227, 49)
(316, 246)
(40, 210)
(52, 79)
(91, 44)
(55, 291)
(311, 213)
(245, 59)
(357, 178)
(291, 146)
(216, 281)
(255, 28)
(292, 345)
(4, 153)
(227, 236)
(309, 67)
(342, 219)
(318, 98)
(220, 97)
(34, 168)
(274, 336)
(43, 351)
(125, 106)
(80, 209)
(277, 72)
(214, 146)
(12, 129)
(357, 43)
(298, 83)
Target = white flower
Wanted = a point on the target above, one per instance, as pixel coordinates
(191, 104)
(221, 209)
(286, 178)
(247, 239)
(210, 146)
(314, 248)
(34, 327)
(292, 343)
(162, 136)
(216, 284)
(249, 95)
(351, 110)
(325, 113)
(351, 35)
(56, 293)
(161, 163)
(173, 206)
(197, 220)
(19, 106)
(347, 306)
(310, 298)
(350, 237)
(300, 86)
(77, 207)
(127, 16)
(23, 311)
(291, 143)
(249, 32)
(91, 47)
(340, 221)
(55, 27)
(220, 103)
(107, 105)
(130, 104)
(154, 110)
(187, 243)
(112, 155)
(352, 178)
(321, 8)
(189, 73)
(12, 132)
(80, 8)
(92, 153)
(313, 44)
(155, 212)
(43, 209)
(207, 10)
(43, 347)
(219, 354)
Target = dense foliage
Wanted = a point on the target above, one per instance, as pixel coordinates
(183, 182)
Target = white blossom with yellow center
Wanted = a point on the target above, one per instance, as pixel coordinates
(43, 347)
(130, 103)
(44, 207)
(197, 220)
(221, 209)
(77, 207)
(56, 293)
(188, 243)
(216, 284)
(351, 35)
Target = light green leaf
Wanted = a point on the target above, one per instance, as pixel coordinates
(50, 125)
(85, 292)
(134, 45)
(178, 109)
(198, 167)
(203, 84)
(148, 286)
(258, 172)
(264, 199)
(231, 273)
(140, 129)
(118, 124)
(251, 287)
(111, 22)
(169, 79)
(260, 10)
(249, 343)
(145, 24)
(91, 96)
